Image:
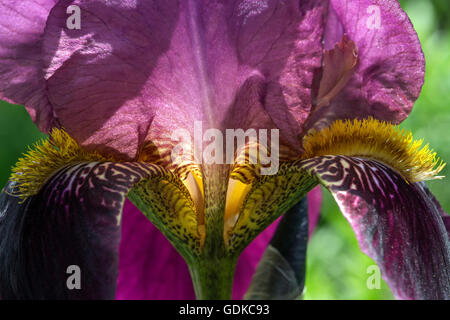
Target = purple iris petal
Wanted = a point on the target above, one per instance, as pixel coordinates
(150, 268)
(73, 223)
(136, 70)
(397, 224)
(22, 24)
(446, 220)
(390, 71)
(445, 217)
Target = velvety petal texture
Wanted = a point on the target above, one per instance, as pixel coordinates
(390, 71)
(396, 222)
(22, 24)
(446, 219)
(444, 215)
(70, 229)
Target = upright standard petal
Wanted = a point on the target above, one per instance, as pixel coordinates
(390, 71)
(22, 24)
(138, 70)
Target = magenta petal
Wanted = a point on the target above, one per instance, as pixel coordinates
(314, 204)
(22, 24)
(149, 266)
(397, 224)
(138, 70)
(390, 71)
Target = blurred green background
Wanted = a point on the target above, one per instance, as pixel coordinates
(336, 267)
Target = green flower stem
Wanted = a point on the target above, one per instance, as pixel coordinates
(213, 278)
(212, 272)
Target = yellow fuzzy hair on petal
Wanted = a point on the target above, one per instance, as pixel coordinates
(376, 140)
(45, 158)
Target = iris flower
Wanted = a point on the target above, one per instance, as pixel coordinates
(112, 85)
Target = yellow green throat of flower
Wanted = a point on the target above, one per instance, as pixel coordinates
(252, 201)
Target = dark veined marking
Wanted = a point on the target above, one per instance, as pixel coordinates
(161, 190)
(269, 197)
(74, 219)
(369, 179)
(168, 205)
(396, 223)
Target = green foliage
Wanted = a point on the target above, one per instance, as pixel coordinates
(17, 132)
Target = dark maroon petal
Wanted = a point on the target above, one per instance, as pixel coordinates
(281, 271)
(396, 223)
(444, 215)
(138, 70)
(22, 24)
(74, 220)
(390, 71)
(446, 220)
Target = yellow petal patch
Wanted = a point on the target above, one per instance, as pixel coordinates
(167, 203)
(236, 193)
(376, 140)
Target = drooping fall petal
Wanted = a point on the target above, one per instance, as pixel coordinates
(390, 70)
(396, 223)
(444, 215)
(74, 220)
(314, 205)
(22, 24)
